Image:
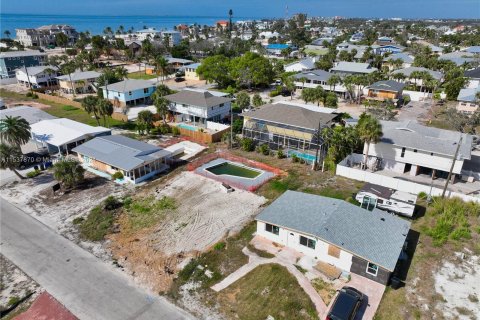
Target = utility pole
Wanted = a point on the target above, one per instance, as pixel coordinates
(231, 126)
(451, 168)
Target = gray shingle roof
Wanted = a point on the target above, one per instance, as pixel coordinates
(195, 98)
(412, 135)
(375, 236)
(387, 85)
(120, 151)
(291, 115)
(33, 71)
(317, 75)
(129, 85)
(473, 73)
(402, 56)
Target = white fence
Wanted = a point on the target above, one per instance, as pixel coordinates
(394, 183)
(417, 95)
(216, 126)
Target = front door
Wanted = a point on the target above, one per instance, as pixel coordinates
(291, 239)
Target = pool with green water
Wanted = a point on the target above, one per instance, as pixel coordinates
(231, 169)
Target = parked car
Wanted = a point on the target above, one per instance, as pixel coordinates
(179, 79)
(346, 304)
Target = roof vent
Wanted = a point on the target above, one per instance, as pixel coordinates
(383, 219)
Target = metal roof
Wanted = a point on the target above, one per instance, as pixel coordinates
(33, 71)
(410, 134)
(129, 85)
(195, 98)
(80, 75)
(27, 53)
(353, 67)
(32, 115)
(468, 94)
(402, 56)
(408, 71)
(473, 73)
(317, 74)
(375, 236)
(291, 115)
(379, 191)
(120, 151)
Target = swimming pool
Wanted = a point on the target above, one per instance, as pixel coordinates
(231, 169)
(187, 127)
(310, 158)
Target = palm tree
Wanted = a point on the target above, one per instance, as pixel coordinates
(7, 33)
(370, 131)
(145, 121)
(49, 72)
(121, 73)
(160, 66)
(333, 81)
(161, 103)
(68, 172)
(90, 104)
(69, 68)
(14, 130)
(10, 158)
(105, 109)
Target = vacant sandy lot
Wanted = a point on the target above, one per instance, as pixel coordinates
(204, 215)
(458, 281)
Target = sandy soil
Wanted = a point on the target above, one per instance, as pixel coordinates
(35, 197)
(458, 281)
(15, 283)
(203, 217)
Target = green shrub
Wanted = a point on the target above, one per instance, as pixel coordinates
(219, 245)
(164, 129)
(247, 144)
(175, 131)
(280, 154)
(127, 202)
(422, 195)
(33, 174)
(111, 203)
(13, 301)
(295, 158)
(78, 220)
(264, 149)
(117, 175)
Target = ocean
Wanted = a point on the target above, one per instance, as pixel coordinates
(96, 24)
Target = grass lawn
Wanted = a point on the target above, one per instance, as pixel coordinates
(66, 111)
(141, 75)
(267, 290)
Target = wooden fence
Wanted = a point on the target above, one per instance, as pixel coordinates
(203, 137)
(58, 99)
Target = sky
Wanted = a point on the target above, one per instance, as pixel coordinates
(251, 8)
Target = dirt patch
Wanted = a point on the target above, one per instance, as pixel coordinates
(458, 281)
(15, 285)
(202, 217)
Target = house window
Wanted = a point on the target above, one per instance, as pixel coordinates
(372, 269)
(129, 93)
(145, 90)
(431, 153)
(221, 105)
(414, 150)
(403, 152)
(273, 229)
(304, 241)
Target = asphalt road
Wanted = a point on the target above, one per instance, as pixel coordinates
(88, 287)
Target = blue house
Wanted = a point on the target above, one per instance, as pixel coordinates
(276, 48)
(129, 92)
(12, 60)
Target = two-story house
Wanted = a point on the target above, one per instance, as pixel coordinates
(79, 82)
(13, 60)
(337, 233)
(128, 92)
(410, 148)
(198, 107)
(37, 77)
(352, 68)
(289, 126)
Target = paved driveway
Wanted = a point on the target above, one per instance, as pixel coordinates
(86, 286)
